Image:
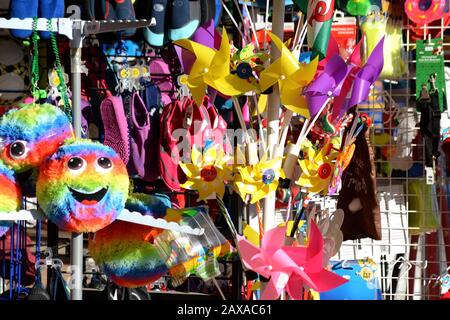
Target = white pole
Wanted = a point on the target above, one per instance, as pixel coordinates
(273, 112)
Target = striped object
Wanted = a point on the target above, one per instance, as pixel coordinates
(31, 134)
(10, 195)
(83, 186)
(134, 255)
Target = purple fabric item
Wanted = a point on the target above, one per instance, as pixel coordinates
(206, 35)
(162, 77)
(367, 76)
(140, 142)
(115, 126)
(327, 84)
(151, 97)
(86, 116)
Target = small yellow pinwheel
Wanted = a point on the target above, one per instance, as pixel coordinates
(208, 173)
(317, 169)
(212, 68)
(258, 180)
(292, 77)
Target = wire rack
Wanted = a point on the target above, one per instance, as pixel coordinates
(412, 259)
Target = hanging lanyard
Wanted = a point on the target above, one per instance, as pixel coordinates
(62, 87)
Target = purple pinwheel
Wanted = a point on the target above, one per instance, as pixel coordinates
(367, 76)
(356, 87)
(206, 35)
(328, 84)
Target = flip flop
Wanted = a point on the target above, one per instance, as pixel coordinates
(208, 8)
(139, 127)
(161, 76)
(124, 10)
(171, 120)
(151, 97)
(86, 118)
(204, 35)
(182, 23)
(23, 9)
(50, 9)
(218, 12)
(115, 126)
(155, 35)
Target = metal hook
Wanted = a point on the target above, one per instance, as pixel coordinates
(402, 260)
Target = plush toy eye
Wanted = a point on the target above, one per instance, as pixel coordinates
(18, 149)
(76, 164)
(104, 164)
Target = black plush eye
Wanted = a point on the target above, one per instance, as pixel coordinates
(104, 164)
(76, 163)
(18, 150)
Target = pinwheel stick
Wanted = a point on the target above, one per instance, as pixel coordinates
(240, 116)
(233, 20)
(252, 25)
(266, 23)
(273, 111)
(303, 35)
(298, 216)
(260, 126)
(236, 3)
(312, 123)
(300, 25)
(285, 126)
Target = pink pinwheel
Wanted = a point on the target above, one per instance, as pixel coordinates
(356, 87)
(289, 267)
(328, 84)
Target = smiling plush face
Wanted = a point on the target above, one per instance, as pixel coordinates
(10, 195)
(31, 134)
(83, 186)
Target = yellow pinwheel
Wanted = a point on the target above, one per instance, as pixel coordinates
(212, 68)
(208, 173)
(258, 180)
(291, 75)
(317, 169)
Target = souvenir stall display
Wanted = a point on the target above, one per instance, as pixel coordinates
(247, 150)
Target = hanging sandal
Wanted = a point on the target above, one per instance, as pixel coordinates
(115, 126)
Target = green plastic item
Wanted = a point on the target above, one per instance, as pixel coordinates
(358, 7)
(430, 60)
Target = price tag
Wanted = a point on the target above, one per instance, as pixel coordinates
(429, 172)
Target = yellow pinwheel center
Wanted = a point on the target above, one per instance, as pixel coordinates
(208, 173)
(268, 176)
(324, 171)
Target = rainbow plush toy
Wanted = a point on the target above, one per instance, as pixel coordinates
(134, 255)
(83, 186)
(10, 195)
(31, 134)
(126, 251)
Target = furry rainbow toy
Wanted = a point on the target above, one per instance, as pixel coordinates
(10, 195)
(31, 134)
(134, 255)
(83, 186)
(126, 250)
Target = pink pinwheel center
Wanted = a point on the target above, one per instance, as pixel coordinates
(208, 173)
(324, 171)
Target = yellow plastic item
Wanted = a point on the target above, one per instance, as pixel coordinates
(212, 68)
